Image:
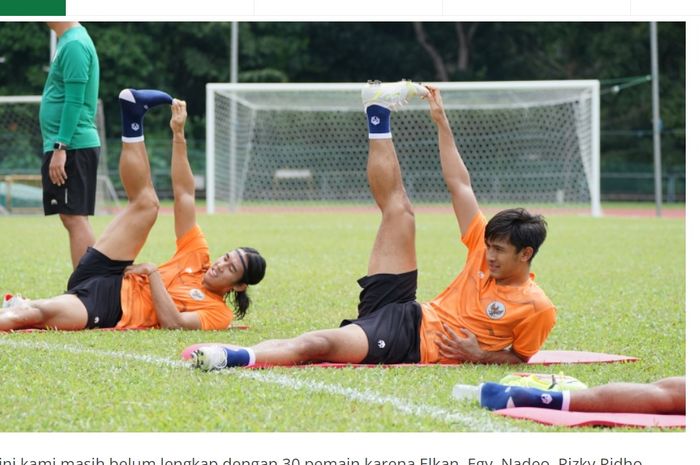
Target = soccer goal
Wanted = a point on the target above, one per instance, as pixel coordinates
(530, 142)
(21, 156)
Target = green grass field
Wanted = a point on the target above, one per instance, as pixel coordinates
(618, 283)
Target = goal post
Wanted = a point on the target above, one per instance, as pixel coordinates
(524, 142)
(20, 157)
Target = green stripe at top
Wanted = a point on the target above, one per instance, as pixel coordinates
(32, 7)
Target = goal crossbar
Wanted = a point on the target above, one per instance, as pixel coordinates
(236, 116)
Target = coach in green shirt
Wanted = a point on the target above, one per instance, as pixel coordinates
(71, 142)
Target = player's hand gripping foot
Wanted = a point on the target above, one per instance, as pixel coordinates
(437, 108)
(391, 95)
(209, 358)
(179, 116)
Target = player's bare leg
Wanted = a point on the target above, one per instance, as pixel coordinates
(126, 234)
(394, 249)
(64, 312)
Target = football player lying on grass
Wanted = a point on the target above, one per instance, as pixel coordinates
(493, 312)
(107, 290)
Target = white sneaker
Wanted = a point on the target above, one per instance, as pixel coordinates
(209, 358)
(10, 300)
(391, 95)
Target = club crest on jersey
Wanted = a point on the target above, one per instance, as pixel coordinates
(495, 310)
(196, 294)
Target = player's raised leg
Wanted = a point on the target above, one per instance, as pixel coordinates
(394, 249)
(126, 234)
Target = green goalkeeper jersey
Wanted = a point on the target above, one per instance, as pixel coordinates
(69, 100)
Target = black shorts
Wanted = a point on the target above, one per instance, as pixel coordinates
(390, 317)
(77, 195)
(97, 282)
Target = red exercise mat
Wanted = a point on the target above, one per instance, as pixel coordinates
(545, 357)
(37, 330)
(562, 418)
(556, 357)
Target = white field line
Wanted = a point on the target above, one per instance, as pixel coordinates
(480, 422)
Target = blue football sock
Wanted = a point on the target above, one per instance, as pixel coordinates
(497, 396)
(378, 122)
(240, 357)
(134, 104)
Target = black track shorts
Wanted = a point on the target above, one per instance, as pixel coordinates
(97, 282)
(390, 317)
(77, 195)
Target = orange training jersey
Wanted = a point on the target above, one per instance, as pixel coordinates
(500, 316)
(182, 276)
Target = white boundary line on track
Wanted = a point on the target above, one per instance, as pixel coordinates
(481, 422)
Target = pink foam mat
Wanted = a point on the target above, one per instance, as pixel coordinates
(561, 418)
(545, 357)
(557, 357)
(38, 330)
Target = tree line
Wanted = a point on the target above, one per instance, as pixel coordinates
(182, 57)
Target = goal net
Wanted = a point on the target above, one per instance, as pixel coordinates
(21, 149)
(531, 143)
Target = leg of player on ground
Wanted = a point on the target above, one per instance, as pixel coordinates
(65, 312)
(666, 396)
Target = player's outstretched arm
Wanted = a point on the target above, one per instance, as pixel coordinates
(181, 173)
(454, 172)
